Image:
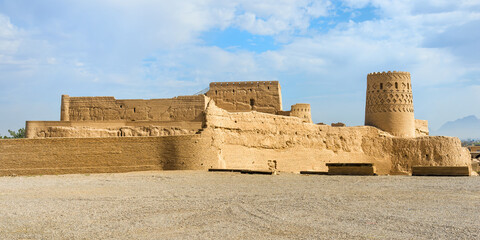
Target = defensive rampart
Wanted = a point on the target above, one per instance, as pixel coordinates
(95, 155)
(251, 139)
(246, 140)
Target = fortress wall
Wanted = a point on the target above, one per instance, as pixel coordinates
(247, 96)
(245, 140)
(428, 151)
(251, 139)
(182, 108)
(47, 129)
(96, 155)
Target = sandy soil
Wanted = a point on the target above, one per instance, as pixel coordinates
(203, 205)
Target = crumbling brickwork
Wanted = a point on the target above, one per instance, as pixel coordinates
(247, 96)
(182, 108)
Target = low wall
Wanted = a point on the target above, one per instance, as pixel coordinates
(46, 129)
(96, 155)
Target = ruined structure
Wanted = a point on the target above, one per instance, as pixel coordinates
(232, 125)
(110, 117)
(247, 96)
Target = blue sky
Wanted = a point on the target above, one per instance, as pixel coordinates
(320, 51)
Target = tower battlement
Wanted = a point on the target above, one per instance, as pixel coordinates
(389, 73)
(389, 76)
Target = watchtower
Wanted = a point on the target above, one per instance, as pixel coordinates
(64, 109)
(389, 104)
(302, 110)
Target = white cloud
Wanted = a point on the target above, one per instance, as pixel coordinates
(99, 48)
(275, 17)
(10, 37)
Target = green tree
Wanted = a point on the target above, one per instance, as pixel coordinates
(18, 134)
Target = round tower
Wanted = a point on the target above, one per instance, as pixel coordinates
(389, 104)
(65, 108)
(302, 110)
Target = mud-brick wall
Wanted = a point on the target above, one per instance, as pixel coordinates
(254, 140)
(96, 155)
(182, 108)
(259, 96)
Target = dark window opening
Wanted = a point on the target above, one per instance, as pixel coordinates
(268, 88)
(134, 110)
(252, 102)
(121, 106)
(381, 85)
(396, 85)
(216, 92)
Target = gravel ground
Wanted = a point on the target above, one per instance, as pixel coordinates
(204, 205)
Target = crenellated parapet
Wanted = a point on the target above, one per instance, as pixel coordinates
(243, 84)
(389, 103)
(391, 73)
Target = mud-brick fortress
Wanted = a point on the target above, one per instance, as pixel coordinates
(231, 125)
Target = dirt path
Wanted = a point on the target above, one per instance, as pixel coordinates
(192, 204)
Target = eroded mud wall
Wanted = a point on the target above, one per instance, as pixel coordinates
(254, 140)
(95, 155)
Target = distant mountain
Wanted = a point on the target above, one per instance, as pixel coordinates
(463, 128)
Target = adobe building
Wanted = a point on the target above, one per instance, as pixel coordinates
(110, 117)
(232, 125)
(247, 96)
(389, 104)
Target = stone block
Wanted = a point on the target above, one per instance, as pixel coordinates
(351, 169)
(225, 170)
(441, 171)
(263, 172)
(314, 172)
